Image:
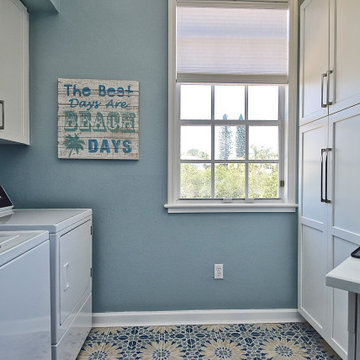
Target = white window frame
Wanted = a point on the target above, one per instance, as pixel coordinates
(288, 147)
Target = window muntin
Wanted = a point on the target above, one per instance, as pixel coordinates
(234, 158)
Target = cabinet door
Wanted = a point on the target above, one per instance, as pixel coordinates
(345, 132)
(314, 57)
(312, 227)
(75, 267)
(14, 72)
(345, 54)
(344, 225)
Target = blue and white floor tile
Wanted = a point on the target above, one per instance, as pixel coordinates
(290, 341)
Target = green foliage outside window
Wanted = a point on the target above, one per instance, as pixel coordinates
(263, 178)
(195, 181)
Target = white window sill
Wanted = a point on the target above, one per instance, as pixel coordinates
(229, 208)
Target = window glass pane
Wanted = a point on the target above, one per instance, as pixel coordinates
(263, 102)
(230, 142)
(195, 142)
(195, 102)
(195, 180)
(230, 180)
(263, 180)
(229, 102)
(263, 142)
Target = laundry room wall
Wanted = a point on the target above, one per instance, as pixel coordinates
(42, 5)
(144, 258)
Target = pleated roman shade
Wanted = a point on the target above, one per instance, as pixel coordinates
(244, 42)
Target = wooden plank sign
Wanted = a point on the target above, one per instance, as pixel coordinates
(98, 119)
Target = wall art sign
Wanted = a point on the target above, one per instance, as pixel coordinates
(98, 119)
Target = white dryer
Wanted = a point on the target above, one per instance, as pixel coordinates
(70, 271)
(25, 296)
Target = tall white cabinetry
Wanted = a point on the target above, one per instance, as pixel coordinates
(14, 72)
(329, 159)
(329, 57)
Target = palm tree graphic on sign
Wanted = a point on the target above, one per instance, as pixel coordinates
(73, 143)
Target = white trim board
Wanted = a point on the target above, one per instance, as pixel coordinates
(193, 317)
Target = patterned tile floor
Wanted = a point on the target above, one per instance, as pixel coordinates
(289, 341)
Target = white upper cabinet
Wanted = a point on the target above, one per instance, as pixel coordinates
(14, 72)
(314, 58)
(345, 54)
(329, 58)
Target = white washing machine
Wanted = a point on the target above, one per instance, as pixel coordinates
(25, 296)
(70, 271)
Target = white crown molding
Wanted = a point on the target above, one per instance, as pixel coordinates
(193, 317)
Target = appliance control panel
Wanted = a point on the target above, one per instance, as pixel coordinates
(356, 253)
(5, 202)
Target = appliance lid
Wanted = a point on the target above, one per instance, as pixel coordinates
(52, 220)
(16, 243)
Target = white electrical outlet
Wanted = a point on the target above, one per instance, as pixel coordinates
(218, 271)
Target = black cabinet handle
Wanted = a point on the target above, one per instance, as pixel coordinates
(326, 175)
(324, 75)
(2, 115)
(328, 102)
(325, 198)
(322, 199)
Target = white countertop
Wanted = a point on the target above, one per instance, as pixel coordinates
(345, 276)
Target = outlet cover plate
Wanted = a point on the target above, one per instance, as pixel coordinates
(218, 271)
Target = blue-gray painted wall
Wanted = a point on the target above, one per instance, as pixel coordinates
(144, 258)
(35, 6)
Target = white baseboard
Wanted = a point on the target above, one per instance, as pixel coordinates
(193, 317)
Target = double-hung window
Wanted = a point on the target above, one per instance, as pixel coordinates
(232, 105)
